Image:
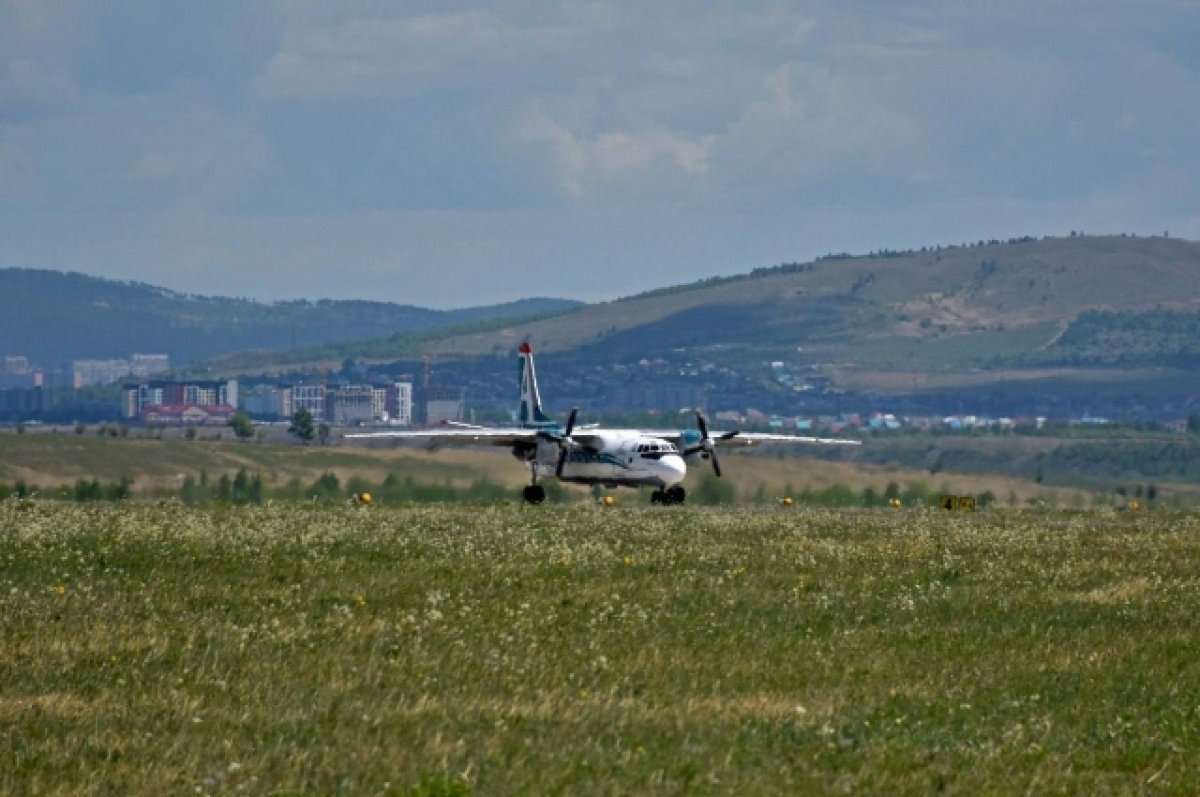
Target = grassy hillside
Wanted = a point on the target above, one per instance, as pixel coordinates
(51, 316)
(995, 299)
(1056, 302)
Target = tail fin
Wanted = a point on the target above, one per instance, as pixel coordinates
(530, 412)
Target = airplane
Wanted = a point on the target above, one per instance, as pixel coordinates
(592, 455)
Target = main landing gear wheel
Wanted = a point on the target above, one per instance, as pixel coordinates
(534, 492)
(672, 495)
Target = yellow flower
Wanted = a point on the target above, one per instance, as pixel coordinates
(362, 600)
(61, 589)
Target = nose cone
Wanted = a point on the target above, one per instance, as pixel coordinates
(672, 469)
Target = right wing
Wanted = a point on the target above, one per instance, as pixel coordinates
(746, 439)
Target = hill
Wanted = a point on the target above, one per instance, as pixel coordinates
(1025, 302)
(1059, 326)
(934, 309)
(51, 316)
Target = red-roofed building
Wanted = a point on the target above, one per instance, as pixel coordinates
(188, 414)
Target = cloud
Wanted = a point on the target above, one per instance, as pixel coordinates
(811, 119)
(379, 55)
(35, 17)
(24, 83)
(584, 164)
(804, 123)
(657, 142)
(138, 152)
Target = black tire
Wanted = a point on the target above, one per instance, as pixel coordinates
(657, 497)
(535, 494)
(676, 495)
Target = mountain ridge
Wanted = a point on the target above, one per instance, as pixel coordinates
(54, 316)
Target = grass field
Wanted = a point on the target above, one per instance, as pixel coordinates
(51, 460)
(156, 649)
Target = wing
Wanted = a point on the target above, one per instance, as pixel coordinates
(456, 436)
(736, 439)
(746, 439)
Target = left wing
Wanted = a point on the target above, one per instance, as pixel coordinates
(454, 434)
(457, 436)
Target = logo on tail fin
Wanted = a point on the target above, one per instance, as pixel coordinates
(530, 412)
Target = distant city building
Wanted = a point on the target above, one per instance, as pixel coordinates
(165, 401)
(265, 401)
(442, 403)
(25, 401)
(149, 364)
(350, 405)
(98, 372)
(379, 404)
(310, 398)
(399, 404)
(105, 372)
(188, 414)
(345, 405)
(17, 365)
(15, 372)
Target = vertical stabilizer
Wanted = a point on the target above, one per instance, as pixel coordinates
(530, 412)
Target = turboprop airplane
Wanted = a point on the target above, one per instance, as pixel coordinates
(593, 455)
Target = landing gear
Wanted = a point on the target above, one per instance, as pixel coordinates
(534, 493)
(672, 495)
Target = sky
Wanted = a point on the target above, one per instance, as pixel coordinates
(449, 154)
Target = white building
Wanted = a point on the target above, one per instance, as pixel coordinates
(400, 403)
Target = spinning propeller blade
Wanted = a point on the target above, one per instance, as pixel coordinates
(564, 441)
(707, 446)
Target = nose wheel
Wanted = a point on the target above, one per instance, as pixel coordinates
(672, 495)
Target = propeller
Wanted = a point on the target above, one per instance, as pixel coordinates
(707, 447)
(564, 442)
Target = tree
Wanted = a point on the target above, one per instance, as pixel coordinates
(242, 427)
(323, 430)
(189, 493)
(241, 487)
(302, 425)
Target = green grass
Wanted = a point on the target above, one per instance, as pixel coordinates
(157, 649)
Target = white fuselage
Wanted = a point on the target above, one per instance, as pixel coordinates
(617, 457)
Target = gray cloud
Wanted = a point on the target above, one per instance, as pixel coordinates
(512, 149)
